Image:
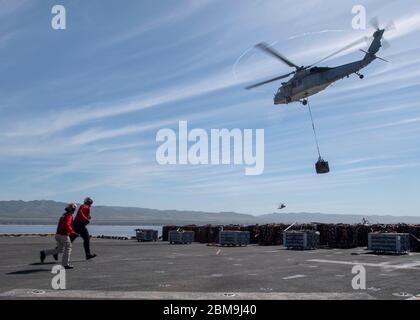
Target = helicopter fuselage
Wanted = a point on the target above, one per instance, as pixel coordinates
(308, 82)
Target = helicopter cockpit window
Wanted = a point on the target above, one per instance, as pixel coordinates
(318, 69)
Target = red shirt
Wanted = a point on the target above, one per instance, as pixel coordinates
(65, 224)
(83, 214)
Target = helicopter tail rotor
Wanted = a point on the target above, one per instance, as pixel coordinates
(390, 26)
(374, 22)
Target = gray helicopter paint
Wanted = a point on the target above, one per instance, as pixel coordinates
(303, 86)
(306, 83)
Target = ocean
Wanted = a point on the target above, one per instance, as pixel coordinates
(94, 230)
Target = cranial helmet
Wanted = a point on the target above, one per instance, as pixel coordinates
(71, 207)
(88, 201)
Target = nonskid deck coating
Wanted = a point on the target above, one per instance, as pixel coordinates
(131, 270)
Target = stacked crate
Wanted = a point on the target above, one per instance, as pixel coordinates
(192, 227)
(253, 233)
(301, 240)
(362, 234)
(234, 238)
(412, 229)
(323, 230)
(342, 236)
(166, 230)
(398, 243)
(209, 233)
(181, 237)
(146, 235)
(232, 227)
(270, 234)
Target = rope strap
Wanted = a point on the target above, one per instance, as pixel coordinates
(313, 127)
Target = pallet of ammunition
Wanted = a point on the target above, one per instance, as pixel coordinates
(339, 236)
(253, 233)
(166, 229)
(398, 243)
(412, 229)
(234, 238)
(270, 234)
(209, 234)
(143, 235)
(194, 228)
(301, 240)
(181, 237)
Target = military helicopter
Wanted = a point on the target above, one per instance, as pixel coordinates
(309, 80)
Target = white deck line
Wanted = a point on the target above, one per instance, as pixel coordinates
(415, 265)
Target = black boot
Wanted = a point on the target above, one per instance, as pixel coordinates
(55, 255)
(42, 256)
(90, 256)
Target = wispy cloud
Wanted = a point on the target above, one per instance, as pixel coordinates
(172, 14)
(8, 7)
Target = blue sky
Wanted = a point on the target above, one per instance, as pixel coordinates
(80, 107)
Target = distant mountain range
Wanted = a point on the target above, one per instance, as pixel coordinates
(47, 212)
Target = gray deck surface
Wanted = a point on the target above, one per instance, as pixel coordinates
(131, 270)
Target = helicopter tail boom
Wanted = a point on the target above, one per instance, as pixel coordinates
(376, 43)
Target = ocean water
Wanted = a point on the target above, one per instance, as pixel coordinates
(94, 230)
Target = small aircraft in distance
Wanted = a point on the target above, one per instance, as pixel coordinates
(365, 221)
(309, 80)
(281, 206)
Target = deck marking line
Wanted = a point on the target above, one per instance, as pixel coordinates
(294, 277)
(411, 266)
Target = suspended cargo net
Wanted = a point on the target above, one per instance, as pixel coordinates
(321, 166)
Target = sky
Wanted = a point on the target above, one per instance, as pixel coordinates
(80, 108)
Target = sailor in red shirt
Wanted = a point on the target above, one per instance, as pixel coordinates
(64, 232)
(80, 222)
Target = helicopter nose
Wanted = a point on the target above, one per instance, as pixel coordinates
(279, 98)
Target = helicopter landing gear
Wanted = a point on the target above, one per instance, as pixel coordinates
(361, 76)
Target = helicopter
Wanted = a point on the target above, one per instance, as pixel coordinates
(281, 206)
(309, 80)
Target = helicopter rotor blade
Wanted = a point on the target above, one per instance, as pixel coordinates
(268, 81)
(385, 44)
(374, 22)
(390, 26)
(349, 46)
(267, 49)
